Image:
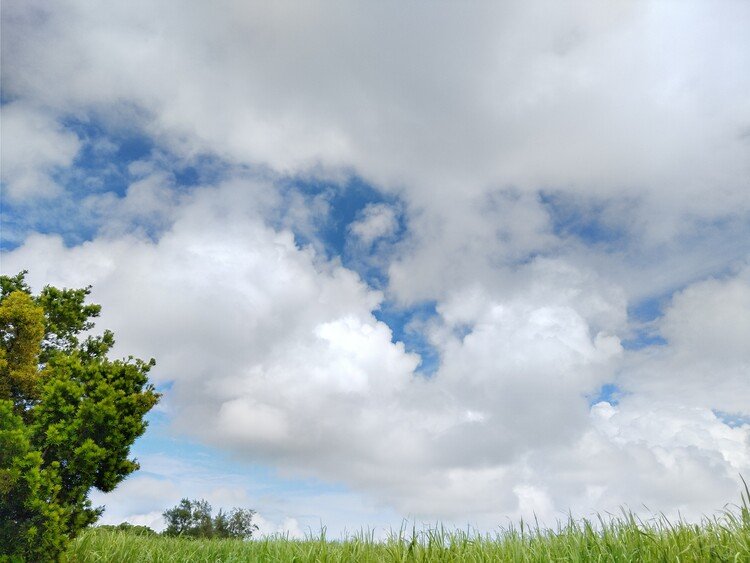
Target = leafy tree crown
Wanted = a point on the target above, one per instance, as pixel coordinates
(192, 518)
(68, 416)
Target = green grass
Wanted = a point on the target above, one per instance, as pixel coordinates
(725, 537)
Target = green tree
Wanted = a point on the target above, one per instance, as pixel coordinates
(241, 523)
(128, 528)
(189, 518)
(68, 417)
(21, 333)
(192, 518)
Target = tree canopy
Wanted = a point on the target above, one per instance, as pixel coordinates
(192, 518)
(68, 416)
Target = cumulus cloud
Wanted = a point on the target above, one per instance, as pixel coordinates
(275, 355)
(377, 220)
(706, 361)
(34, 146)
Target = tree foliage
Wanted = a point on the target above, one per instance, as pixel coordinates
(68, 416)
(129, 528)
(192, 518)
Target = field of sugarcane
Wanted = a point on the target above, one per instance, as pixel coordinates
(723, 537)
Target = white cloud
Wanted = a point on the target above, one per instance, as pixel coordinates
(377, 220)
(463, 241)
(288, 528)
(276, 356)
(706, 361)
(645, 100)
(710, 319)
(639, 108)
(34, 145)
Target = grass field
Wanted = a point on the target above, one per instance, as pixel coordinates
(725, 537)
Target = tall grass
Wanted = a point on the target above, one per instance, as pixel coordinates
(724, 537)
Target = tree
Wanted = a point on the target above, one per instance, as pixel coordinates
(128, 528)
(68, 416)
(189, 518)
(192, 518)
(241, 523)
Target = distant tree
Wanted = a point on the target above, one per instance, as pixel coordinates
(68, 417)
(221, 525)
(189, 518)
(179, 519)
(192, 518)
(129, 528)
(241, 523)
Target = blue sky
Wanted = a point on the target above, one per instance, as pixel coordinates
(400, 279)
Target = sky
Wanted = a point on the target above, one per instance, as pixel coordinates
(433, 261)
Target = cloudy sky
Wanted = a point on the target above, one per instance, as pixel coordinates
(436, 261)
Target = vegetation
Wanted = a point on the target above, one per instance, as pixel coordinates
(68, 416)
(128, 527)
(192, 518)
(624, 539)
